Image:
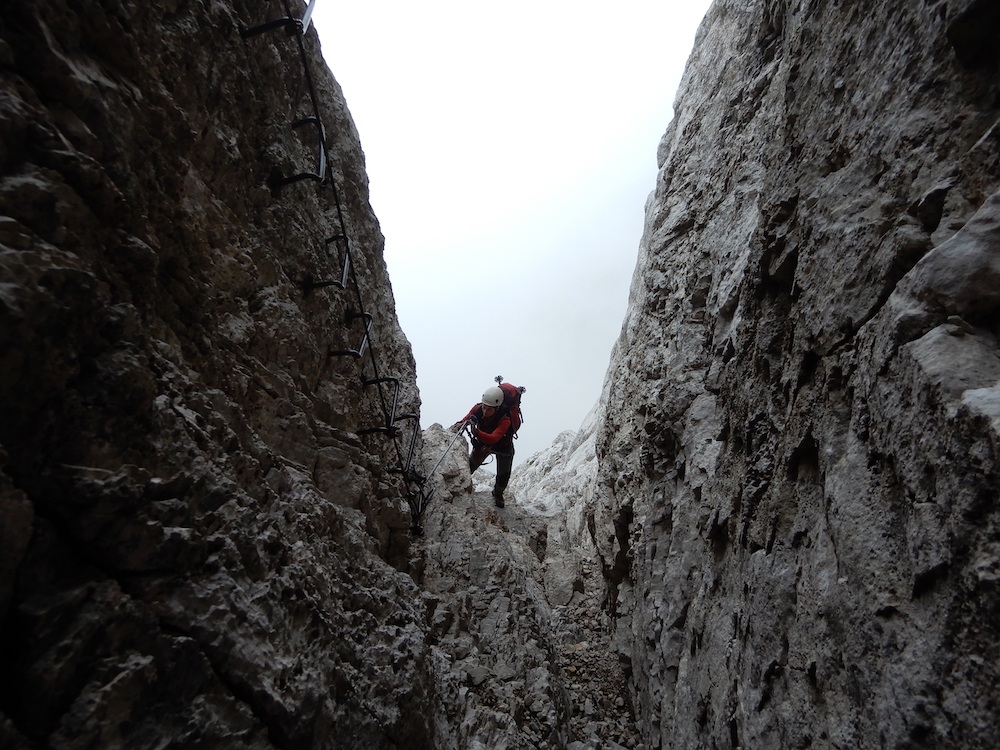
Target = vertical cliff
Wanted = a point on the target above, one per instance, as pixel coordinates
(197, 537)
(799, 464)
(203, 519)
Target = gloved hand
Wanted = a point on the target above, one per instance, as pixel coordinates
(474, 421)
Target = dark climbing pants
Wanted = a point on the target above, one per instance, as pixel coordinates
(505, 461)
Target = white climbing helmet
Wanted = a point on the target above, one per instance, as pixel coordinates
(493, 397)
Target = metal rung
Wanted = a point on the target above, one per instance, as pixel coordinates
(418, 503)
(356, 353)
(406, 470)
(307, 16)
(277, 181)
(390, 418)
(308, 283)
(390, 429)
(291, 25)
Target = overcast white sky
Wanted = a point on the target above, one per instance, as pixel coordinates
(510, 150)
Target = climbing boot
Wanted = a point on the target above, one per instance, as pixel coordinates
(498, 499)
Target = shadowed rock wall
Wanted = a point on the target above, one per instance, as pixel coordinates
(799, 464)
(193, 536)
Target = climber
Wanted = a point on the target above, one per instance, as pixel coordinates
(490, 425)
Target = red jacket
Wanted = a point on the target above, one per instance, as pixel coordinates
(492, 430)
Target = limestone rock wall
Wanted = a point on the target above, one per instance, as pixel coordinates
(490, 621)
(797, 496)
(555, 486)
(196, 542)
(516, 600)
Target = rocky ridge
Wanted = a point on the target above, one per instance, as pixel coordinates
(519, 607)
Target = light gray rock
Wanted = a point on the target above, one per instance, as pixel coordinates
(499, 626)
(446, 463)
(798, 461)
(556, 486)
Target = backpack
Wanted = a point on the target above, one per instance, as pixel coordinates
(512, 403)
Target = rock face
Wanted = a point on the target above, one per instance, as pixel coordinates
(517, 594)
(490, 620)
(204, 536)
(556, 486)
(797, 494)
(197, 539)
(209, 422)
